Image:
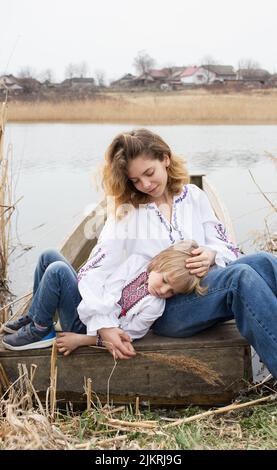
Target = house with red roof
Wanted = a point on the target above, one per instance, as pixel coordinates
(193, 75)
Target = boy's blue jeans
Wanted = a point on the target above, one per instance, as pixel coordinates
(56, 289)
(245, 290)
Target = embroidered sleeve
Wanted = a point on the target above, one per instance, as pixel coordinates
(139, 324)
(216, 237)
(105, 258)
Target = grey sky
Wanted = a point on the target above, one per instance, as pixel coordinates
(108, 34)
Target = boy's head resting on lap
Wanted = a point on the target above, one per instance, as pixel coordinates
(168, 274)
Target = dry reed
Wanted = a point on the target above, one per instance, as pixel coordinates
(185, 107)
(88, 392)
(53, 380)
(5, 212)
(267, 240)
(21, 425)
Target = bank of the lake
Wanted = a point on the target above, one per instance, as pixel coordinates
(145, 108)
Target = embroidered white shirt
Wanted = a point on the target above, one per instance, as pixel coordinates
(146, 232)
(121, 300)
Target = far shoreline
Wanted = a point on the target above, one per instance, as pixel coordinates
(197, 107)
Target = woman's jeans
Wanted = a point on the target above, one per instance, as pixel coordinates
(56, 289)
(246, 290)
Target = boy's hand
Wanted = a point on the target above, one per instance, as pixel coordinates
(67, 342)
(117, 342)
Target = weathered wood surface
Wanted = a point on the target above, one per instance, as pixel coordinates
(158, 384)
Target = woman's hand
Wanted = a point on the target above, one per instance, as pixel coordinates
(67, 342)
(117, 342)
(203, 258)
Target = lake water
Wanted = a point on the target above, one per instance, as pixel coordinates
(53, 167)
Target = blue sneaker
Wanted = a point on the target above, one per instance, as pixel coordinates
(29, 337)
(14, 325)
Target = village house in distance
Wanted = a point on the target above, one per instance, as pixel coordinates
(174, 78)
(215, 77)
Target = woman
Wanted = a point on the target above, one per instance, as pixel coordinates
(156, 207)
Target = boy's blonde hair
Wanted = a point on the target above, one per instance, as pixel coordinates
(172, 262)
(127, 146)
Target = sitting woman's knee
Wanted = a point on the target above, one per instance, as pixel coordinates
(245, 276)
(263, 256)
(49, 256)
(57, 267)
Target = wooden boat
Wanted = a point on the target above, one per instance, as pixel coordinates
(221, 347)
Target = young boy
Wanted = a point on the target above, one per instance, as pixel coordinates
(134, 297)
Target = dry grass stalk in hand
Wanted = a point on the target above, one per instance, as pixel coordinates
(186, 364)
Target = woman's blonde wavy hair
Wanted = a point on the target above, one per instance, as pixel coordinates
(126, 147)
(172, 262)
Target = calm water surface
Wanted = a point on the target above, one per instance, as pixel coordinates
(53, 167)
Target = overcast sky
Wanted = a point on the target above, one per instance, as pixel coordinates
(108, 34)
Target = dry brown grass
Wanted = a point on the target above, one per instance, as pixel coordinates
(26, 424)
(188, 107)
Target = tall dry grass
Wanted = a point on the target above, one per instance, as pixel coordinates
(25, 424)
(157, 108)
(6, 210)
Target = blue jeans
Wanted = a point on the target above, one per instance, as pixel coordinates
(245, 290)
(56, 289)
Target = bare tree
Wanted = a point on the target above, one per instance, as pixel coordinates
(76, 70)
(26, 72)
(47, 75)
(100, 77)
(83, 69)
(143, 62)
(248, 64)
(208, 60)
(70, 71)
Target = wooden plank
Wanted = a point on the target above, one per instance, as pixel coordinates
(224, 334)
(221, 347)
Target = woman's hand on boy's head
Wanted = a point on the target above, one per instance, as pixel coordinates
(118, 343)
(201, 261)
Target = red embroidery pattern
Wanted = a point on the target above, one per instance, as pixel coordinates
(133, 292)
